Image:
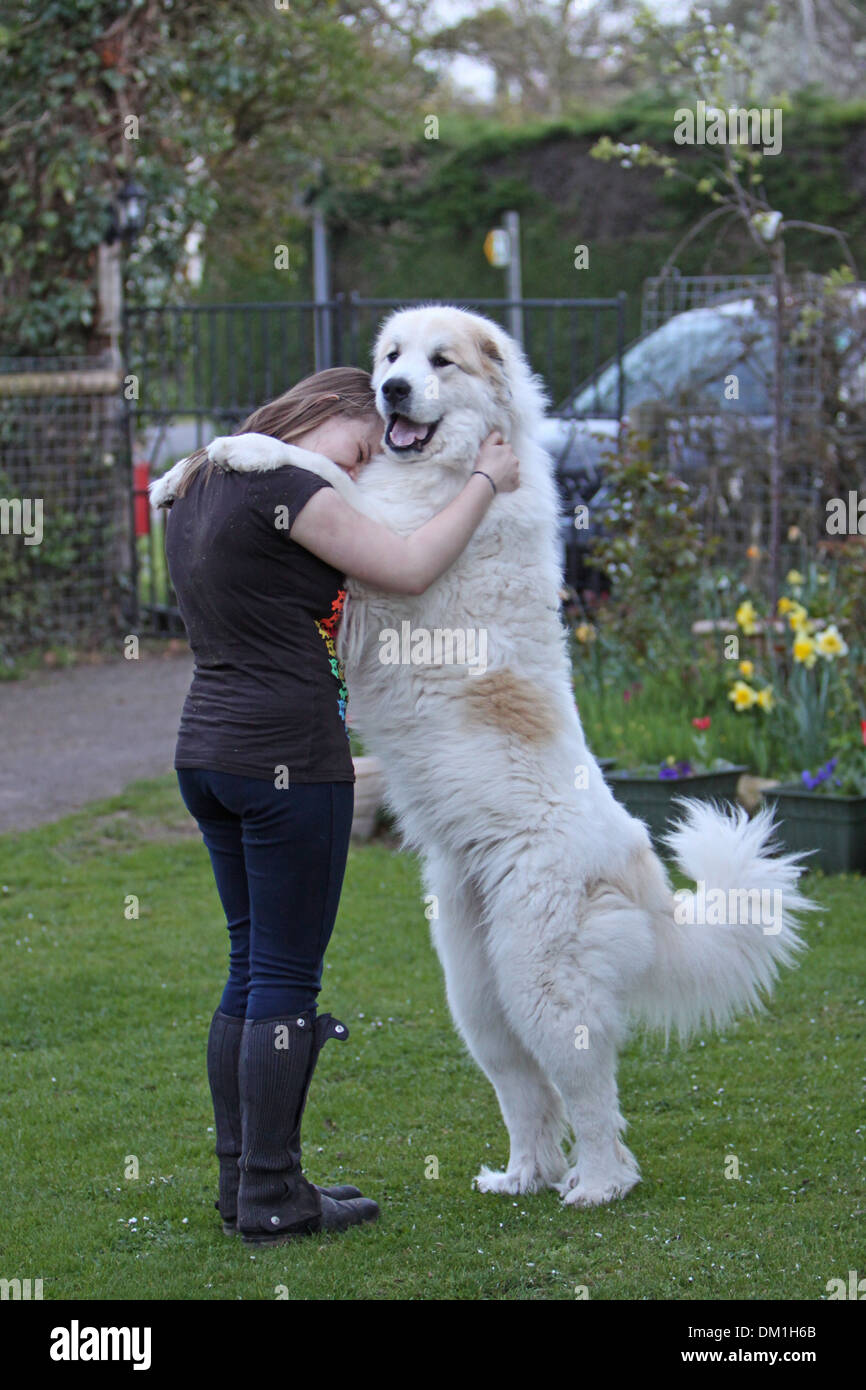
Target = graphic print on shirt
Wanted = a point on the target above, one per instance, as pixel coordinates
(327, 628)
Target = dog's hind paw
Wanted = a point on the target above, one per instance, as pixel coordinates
(489, 1181)
(598, 1190)
(513, 1182)
(584, 1195)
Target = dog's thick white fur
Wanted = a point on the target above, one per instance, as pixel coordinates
(552, 916)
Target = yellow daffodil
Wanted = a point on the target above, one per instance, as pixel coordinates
(765, 698)
(747, 668)
(797, 617)
(794, 578)
(742, 695)
(830, 643)
(804, 650)
(747, 617)
(585, 632)
(784, 605)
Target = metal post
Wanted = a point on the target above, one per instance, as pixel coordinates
(115, 323)
(620, 350)
(127, 434)
(321, 291)
(513, 275)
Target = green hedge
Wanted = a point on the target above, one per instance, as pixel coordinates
(419, 230)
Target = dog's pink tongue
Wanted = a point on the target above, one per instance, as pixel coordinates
(404, 432)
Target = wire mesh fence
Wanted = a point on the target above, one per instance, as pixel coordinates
(728, 474)
(64, 504)
(742, 310)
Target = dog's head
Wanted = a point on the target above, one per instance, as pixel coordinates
(444, 378)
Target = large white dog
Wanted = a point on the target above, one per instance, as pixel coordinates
(553, 918)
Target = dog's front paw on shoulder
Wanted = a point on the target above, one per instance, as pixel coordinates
(219, 451)
(248, 453)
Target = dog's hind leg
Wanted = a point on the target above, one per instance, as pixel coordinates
(566, 990)
(531, 1107)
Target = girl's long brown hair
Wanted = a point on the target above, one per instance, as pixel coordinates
(342, 391)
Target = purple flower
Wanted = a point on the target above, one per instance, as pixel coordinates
(668, 772)
(820, 776)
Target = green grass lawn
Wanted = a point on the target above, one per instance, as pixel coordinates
(103, 1033)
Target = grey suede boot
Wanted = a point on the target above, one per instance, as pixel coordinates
(223, 1053)
(275, 1200)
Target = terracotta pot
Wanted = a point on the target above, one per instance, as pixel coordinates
(369, 796)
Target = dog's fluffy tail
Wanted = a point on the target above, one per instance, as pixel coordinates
(720, 946)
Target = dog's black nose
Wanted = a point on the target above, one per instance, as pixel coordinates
(395, 390)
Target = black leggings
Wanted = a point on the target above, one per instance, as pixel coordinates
(278, 857)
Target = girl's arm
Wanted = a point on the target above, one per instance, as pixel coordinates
(363, 549)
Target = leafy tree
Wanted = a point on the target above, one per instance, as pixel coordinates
(223, 110)
(548, 57)
(820, 43)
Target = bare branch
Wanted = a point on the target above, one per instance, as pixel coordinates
(692, 233)
(826, 231)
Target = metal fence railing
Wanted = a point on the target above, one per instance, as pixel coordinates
(220, 361)
(565, 340)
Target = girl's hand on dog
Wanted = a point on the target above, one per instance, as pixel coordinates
(497, 458)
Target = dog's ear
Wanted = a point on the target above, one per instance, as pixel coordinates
(488, 348)
(493, 366)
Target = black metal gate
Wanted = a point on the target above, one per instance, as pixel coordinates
(195, 371)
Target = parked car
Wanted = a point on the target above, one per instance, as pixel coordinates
(685, 365)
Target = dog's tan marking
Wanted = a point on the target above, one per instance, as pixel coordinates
(509, 702)
(642, 880)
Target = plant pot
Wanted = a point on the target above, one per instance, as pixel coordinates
(651, 799)
(369, 795)
(834, 826)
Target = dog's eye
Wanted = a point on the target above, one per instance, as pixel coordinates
(392, 355)
(437, 360)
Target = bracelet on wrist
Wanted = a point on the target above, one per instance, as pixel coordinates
(481, 473)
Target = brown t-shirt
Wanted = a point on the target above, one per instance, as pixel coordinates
(261, 613)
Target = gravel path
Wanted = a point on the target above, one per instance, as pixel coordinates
(80, 734)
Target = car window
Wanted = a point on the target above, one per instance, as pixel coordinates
(686, 361)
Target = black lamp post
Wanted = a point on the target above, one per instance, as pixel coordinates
(127, 213)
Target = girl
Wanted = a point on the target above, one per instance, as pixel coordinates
(258, 563)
